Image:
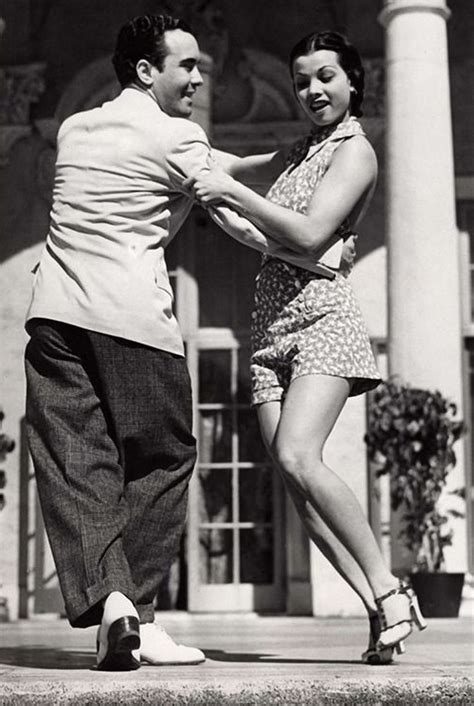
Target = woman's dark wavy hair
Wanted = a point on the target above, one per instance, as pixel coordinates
(143, 38)
(349, 60)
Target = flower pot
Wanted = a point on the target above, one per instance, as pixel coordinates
(439, 594)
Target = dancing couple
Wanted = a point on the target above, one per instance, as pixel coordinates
(108, 393)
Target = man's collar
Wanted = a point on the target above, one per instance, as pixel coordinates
(133, 92)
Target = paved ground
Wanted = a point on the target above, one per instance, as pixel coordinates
(250, 660)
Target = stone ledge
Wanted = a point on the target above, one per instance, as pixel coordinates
(241, 693)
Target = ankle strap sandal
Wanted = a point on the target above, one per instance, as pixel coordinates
(398, 610)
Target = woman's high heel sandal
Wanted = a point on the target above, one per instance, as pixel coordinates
(375, 656)
(398, 610)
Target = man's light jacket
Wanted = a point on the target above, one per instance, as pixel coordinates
(119, 199)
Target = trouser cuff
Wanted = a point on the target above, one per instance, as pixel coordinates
(89, 610)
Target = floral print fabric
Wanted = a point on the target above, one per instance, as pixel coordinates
(307, 324)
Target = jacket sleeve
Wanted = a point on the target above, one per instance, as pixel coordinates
(245, 232)
(190, 156)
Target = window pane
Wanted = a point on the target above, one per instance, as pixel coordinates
(215, 495)
(214, 376)
(214, 253)
(215, 556)
(251, 447)
(256, 555)
(225, 272)
(243, 382)
(173, 277)
(472, 293)
(172, 255)
(470, 475)
(471, 389)
(246, 264)
(215, 436)
(468, 224)
(256, 494)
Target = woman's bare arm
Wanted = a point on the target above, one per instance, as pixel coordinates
(256, 170)
(341, 195)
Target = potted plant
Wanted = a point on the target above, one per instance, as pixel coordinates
(6, 446)
(411, 435)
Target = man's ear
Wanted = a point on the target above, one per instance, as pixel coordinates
(143, 69)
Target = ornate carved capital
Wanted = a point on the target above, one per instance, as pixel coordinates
(21, 86)
(9, 135)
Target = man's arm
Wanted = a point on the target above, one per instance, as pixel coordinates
(346, 187)
(191, 155)
(245, 232)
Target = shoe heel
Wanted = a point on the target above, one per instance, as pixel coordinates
(123, 638)
(400, 648)
(416, 613)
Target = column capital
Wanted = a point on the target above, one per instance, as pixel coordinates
(9, 136)
(397, 7)
(21, 85)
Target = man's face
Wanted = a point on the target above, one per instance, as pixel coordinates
(175, 86)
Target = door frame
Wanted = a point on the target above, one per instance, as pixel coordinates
(218, 597)
(235, 596)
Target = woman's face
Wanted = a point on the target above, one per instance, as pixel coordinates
(322, 87)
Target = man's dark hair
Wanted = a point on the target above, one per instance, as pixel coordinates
(349, 60)
(143, 38)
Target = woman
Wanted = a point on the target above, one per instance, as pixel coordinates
(311, 350)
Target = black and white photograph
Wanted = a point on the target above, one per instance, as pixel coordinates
(237, 352)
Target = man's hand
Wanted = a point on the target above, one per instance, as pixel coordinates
(211, 185)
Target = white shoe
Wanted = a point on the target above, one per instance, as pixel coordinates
(158, 648)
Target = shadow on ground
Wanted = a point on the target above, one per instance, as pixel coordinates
(50, 658)
(223, 656)
(46, 658)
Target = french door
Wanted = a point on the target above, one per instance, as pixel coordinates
(235, 545)
(235, 516)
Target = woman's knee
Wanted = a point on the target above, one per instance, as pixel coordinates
(297, 461)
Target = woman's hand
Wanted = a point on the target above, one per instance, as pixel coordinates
(348, 253)
(212, 185)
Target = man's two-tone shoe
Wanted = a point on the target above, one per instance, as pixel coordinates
(118, 645)
(159, 649)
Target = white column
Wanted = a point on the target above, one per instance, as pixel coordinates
(425, 333)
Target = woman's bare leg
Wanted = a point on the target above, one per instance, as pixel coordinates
(311, 408)
(317, 529)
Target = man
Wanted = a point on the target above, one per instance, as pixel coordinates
(108, 393)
